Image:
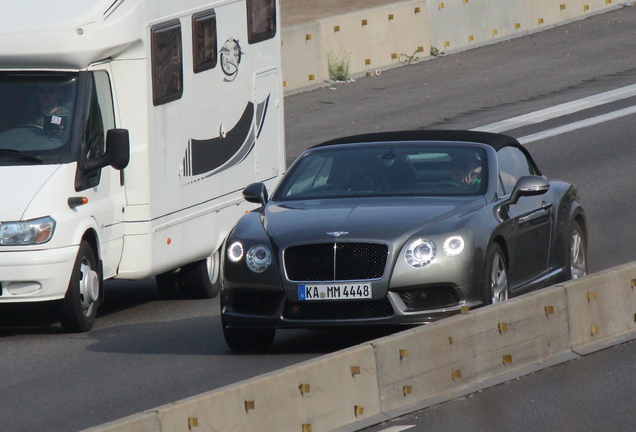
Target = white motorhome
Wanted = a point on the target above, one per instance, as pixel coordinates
(128, 129)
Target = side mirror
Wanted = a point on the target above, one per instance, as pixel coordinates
(529, 186)
(256, 193)
(117, 151)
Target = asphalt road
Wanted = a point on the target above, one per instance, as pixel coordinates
(144, 352)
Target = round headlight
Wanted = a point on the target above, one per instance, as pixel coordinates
(258, 258)
(453, 245)
(235, 252)
(420, 253)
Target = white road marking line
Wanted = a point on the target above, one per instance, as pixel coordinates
(398, 428)
(577, 125)
(560, 110)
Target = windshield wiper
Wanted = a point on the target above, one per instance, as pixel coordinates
(20, 155)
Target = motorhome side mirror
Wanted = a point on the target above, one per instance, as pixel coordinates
(529, 186)
(117, 152)
(118, 148)
(256, 193)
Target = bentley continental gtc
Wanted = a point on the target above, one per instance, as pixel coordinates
(397, 228)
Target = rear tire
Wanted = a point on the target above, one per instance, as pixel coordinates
(203, 278)
(78, 309)
(496, 287)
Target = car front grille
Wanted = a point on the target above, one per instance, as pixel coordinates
(335, 262)
(343, 310)
(433, 297)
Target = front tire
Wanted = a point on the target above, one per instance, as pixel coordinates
(248, 340)
(577, 256)
(496, 287)
(78, 309)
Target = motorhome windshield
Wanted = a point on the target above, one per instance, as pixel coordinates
(35, 121)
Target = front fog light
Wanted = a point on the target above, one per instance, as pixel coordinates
(258, 258)
(453, 246)
(235, 252)
(420, 253)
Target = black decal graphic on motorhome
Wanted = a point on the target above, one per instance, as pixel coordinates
(211, 156)
(230, 54)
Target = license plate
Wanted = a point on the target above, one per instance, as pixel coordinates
(337, 291)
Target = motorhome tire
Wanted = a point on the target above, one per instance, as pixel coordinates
(202, 278)
(78, 309)
(171, 286)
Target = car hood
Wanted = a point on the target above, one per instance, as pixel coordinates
(387, 219)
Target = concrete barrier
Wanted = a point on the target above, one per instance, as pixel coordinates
(459, 355)
(403, 32)
(318, 395)
(602, 309)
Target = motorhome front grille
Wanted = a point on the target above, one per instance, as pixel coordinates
(340, 310)
(335, 262)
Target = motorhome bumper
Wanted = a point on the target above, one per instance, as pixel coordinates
(36, 275)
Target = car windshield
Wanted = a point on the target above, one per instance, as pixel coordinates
(386, 170)
(36, 126)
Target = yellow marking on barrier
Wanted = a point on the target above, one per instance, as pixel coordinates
(249, 405)
(307, 37)
(420, 48)
(404, 353)
(441, 5)
(465, 309)
(466, 1)
(549, 310)
(312, 77)
(284, 85)
(359, 410)
(586, 7)
(633, 283)
(193, 422)
(304, 388)
(416, 10)
(336, 29)
(450, 340)
(517, 25)
(471, 38)
(367, 62)
(540, 20)
(355, 370)
(594, 330)
(562, 7)
(506, 358)
(364, 22)
(503, 327)
(456, 374)
(494, 32)
(591, 295)
(407, 390)
(393, 56)
(306, 428)
(608, 1)
(391, 17)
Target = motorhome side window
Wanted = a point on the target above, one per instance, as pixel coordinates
(204, 42)
(100, 119)
(261, 20)
(167, 62)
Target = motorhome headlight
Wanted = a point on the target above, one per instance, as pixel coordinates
(35, 231)
(258, 258)
(420, 253)
(453, 245)
(235, 252)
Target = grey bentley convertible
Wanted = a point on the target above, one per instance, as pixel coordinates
(397, 228)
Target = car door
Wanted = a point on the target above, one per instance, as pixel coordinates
(532, 219)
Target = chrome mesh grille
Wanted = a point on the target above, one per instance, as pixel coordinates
(335, 262)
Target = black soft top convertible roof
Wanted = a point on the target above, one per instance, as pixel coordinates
(496, 141)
